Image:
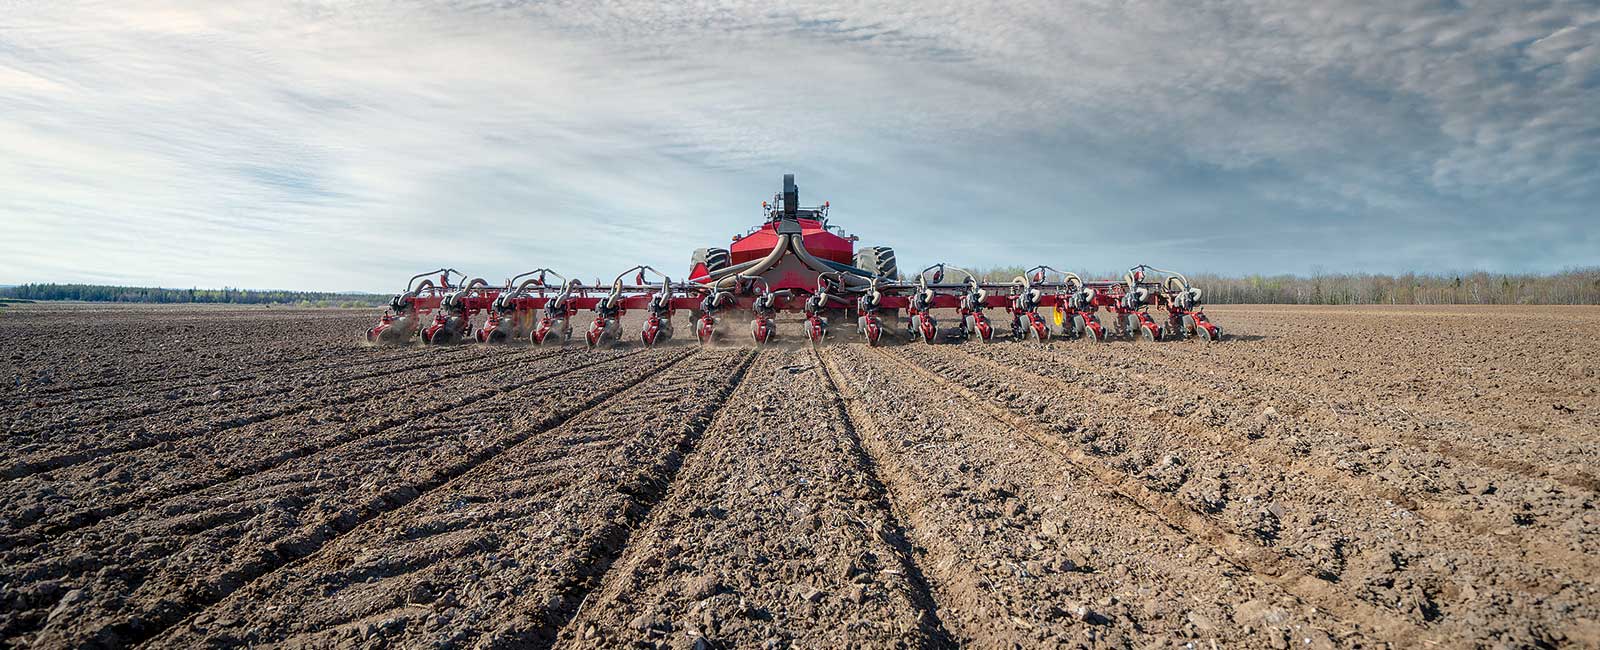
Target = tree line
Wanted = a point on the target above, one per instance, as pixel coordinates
(1571, 287)
(227, 295)
(1580, 286)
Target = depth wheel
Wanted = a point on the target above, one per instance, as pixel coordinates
(393, 335)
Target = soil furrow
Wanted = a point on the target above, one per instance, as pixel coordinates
(37, 394)
(114, 388)
(1350, 464)
(174, 404)
(1440, 385)
(1361, 562)
(1032, 549)
(1430, 354)
(312, 364)
(795, 544)
(1325, 477)
(89, 446)
(66, 349)
(500, 556)
(1547, 448)
(110, 485)
(131, 577)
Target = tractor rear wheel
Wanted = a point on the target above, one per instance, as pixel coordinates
(879, 261)
(714, 258)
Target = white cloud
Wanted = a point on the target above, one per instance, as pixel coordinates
(341, 145)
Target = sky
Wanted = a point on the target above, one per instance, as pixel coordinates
(348, 145)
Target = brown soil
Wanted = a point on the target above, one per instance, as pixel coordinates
(1326, 477)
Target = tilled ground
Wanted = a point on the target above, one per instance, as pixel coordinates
(1326, 477)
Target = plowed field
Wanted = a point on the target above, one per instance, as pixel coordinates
(186, 477)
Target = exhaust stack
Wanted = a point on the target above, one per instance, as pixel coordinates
(791, 197)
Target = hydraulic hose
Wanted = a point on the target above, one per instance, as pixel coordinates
(722, 278)
(503, 302)
(798, 245)
(1171, 275)
(1076, 281)
(425, 274)
(728, 277)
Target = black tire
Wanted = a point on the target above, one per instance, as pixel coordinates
(717, 259)
(878, 260)
(713, 258)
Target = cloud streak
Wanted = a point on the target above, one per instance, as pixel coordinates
(345, 145)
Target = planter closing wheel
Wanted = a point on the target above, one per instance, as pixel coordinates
(1086, 331)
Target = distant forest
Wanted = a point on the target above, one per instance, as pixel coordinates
(106, 293)
(1571, 287)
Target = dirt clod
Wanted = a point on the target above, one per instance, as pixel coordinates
(265, 478)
